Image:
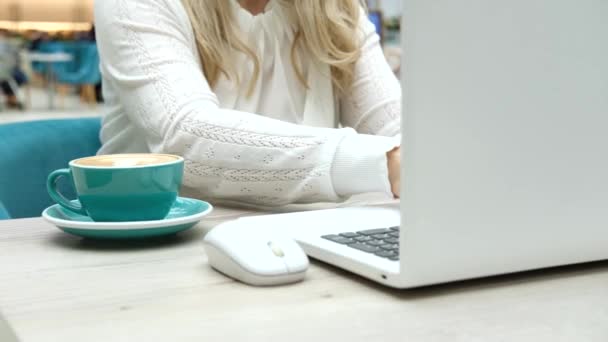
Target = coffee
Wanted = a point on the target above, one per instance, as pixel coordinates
(121, 187)
(127, 160)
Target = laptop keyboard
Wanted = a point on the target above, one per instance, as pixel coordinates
(382, 242)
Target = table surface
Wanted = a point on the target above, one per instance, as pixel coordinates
(56, 287)
(48, 56)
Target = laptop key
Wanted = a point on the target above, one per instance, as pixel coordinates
(394, 258)
(392, 240)
(363, 247)
(390, 246)
(394, 228)
(374, 231)
(375, 243)
(385, 254)
(362, 238)
(381, 236)
(338, 239)
(394, 234)
(349, 235)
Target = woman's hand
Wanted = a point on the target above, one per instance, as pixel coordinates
(394, 170)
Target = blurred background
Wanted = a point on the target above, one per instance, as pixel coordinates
(49, 59)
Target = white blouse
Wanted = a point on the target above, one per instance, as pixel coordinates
(278, 146)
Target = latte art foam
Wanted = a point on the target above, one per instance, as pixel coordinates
(127, 160)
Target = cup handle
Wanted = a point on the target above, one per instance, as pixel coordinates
(51, 187)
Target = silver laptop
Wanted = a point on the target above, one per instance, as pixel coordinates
(505, 147)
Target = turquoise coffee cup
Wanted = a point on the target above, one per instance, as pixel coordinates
(121, 187)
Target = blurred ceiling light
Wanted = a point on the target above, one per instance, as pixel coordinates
(48, 26)
(45, 15)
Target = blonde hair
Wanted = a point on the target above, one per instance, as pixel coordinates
(328, 29)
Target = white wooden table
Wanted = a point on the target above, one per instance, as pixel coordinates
(55, 287)
(49, 58)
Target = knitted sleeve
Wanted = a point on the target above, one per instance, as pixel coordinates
(373, 105)
(148, 54)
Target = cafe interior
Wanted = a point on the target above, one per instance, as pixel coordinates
(49, 63)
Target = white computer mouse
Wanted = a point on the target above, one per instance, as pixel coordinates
(254, 256)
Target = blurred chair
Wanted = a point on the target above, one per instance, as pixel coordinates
(3, 213)
(75, 49)
(48, 47)
(86, 75)
(30, 151)
(376, 18)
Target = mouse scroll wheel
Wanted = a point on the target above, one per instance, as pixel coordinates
(276, 249)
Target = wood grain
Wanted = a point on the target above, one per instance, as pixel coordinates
(56, 287)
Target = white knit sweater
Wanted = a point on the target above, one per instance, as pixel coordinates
(279, 145)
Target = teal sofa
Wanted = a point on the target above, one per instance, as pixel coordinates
(30, 150)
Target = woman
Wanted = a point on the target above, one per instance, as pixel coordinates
(250, 93)
(11, 76)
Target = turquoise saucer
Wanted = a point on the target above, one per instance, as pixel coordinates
(184, 214)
